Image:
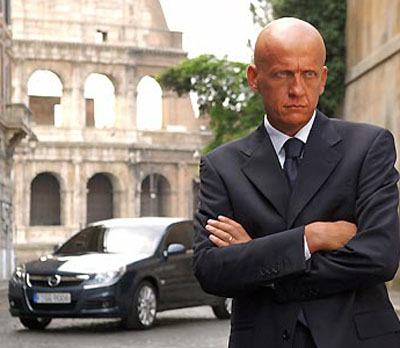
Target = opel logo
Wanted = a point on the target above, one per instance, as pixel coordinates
(54, 280)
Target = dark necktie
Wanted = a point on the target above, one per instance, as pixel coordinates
(293, 148)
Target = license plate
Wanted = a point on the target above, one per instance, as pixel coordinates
(52, 297)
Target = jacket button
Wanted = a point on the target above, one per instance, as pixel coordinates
(275, 270)
(285, 335)
(265, 272)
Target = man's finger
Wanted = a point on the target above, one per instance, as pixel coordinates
(218, 242)
(228, 221)
(222, 226)
(221, 234)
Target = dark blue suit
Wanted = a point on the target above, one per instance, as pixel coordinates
(347, 173)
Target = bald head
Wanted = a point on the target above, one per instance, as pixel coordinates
(289, 72)
(289, 34)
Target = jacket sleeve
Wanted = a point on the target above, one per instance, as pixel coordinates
(240, 268)
(371, 257)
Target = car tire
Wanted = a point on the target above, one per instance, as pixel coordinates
(144, 308)
(223, 310)
(39, 323)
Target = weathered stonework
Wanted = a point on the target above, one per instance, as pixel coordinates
(373, 64)
(137, 43)
(14, 125)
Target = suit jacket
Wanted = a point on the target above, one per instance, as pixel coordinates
(347, 173)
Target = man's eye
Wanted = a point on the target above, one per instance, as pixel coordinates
(281, 74)
(309, 73)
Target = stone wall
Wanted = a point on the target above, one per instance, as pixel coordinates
(13, 126)
(139, 23)
(373, 61)
(6, 250)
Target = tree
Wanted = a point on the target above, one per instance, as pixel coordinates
(223, 93)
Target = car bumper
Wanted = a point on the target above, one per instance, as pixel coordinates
(85, 303)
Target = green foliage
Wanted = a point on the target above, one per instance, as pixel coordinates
(329, 16)
(223, 93)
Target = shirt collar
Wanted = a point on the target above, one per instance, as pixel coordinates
(278, 138)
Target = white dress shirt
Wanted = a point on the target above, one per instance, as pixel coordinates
(278, 139)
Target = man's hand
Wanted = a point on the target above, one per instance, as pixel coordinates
(225, 231)
(328, 236)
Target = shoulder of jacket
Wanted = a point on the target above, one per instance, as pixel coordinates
(364, 128)
(231, 147)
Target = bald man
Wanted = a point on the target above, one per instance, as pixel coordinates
(297, 222)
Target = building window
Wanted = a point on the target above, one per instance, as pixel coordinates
(45, 91)
(149, 104)
(99, 198)
(155, 196)
(100, 101)
(100, 36)
(45, 201)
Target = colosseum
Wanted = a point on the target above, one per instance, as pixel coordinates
(110, 142)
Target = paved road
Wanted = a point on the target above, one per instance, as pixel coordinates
(188, 328)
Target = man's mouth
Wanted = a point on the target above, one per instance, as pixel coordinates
(295, 106)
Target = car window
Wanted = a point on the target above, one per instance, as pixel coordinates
(124, 240)
(88, 240)
(180, 233)
(137, 240)
(189, 228)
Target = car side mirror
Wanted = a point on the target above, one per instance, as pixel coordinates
(174, 249)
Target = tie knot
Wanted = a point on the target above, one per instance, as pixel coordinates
(293, 148)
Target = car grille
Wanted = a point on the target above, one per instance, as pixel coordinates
(64, 281)
(52, 307)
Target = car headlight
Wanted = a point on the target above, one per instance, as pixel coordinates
(105, 278)
(19, 274)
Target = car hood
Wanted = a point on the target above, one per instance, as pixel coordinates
(81, 264)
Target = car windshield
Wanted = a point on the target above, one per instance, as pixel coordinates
(122, 240)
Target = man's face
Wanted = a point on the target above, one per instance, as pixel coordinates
(290, 80)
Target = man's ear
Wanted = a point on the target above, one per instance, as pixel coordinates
(252, 78)
(324, 76)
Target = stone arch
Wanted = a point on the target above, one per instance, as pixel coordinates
(155, 196)
(99, 93)
(149, 104)
(45, 90)
(45, 200)
(100, 197)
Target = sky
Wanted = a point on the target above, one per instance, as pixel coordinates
(219, 27)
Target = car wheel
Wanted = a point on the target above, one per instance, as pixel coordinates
(223, 310)
(35, 323)
(144, 308)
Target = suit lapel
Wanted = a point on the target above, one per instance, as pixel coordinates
(320, 159)
(262, 168)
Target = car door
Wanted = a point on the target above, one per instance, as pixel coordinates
(176, 277)
(197, 294)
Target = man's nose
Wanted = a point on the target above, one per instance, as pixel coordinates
(296, 86)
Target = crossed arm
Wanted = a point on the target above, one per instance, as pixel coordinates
(320, 236)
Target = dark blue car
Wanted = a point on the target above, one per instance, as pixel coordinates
(126, 268)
